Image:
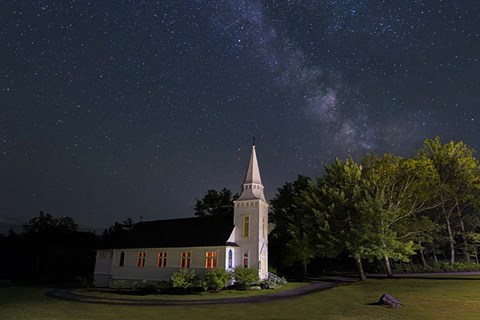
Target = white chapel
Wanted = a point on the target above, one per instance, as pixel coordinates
(154, 250)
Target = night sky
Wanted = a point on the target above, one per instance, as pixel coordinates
(116, 109)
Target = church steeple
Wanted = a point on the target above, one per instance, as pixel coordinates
(252, 185)
(250, 217)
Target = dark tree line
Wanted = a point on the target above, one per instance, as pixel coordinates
(49, 249)
(53, 250)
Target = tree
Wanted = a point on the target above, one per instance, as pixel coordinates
(457, 187)
(54, 250)
(215, 203)
(294, 224)
(45, 231)
(397, 191)
(342, 224)
(301, 245)
(385, 208)
(364, 209)
(474, 240)
(116, 232)
(45, 223)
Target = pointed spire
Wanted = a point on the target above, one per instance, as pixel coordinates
(252, 185)
(253, 172)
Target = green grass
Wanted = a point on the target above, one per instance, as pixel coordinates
(224, 294)
(423, 299)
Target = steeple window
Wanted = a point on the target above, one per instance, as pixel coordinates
(246, 226)
(263, 227)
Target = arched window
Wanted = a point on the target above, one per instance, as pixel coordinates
(122, 259)
(230, 259)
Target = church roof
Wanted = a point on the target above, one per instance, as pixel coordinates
(174, 233)
(252, 185)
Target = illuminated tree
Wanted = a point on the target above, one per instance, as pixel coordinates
(457, 187)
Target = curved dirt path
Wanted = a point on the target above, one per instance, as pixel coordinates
(69, 295)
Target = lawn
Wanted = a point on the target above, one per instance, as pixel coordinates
(423, 299)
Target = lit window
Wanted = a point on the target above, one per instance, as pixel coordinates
(263, 227)
(210, 260)
(122, 259)
(161, 259)
(102, 255)
(185, 260)
(230, 259)
(141, 259)
(246, 226)
(245, 259)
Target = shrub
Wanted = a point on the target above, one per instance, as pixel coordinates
(183, 279)
(244, 277)
(465, 266)
(217, 278)
(122, 284)
(140, 286)
(437, 267)
(146, 287)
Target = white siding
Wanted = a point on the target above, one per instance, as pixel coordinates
(103, 268)
(150, 271)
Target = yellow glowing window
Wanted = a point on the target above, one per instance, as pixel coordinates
(263, 227)
(211, 259)
(185, 259)
(161, 259)
(246, 226)
(141, 259)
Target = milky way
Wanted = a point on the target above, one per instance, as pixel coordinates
(122, 109)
